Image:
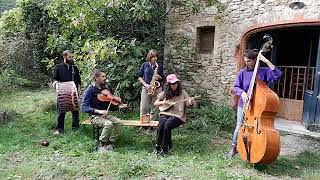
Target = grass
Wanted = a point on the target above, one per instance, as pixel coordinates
(196, 154)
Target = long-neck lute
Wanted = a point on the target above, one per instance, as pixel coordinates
(165, 107)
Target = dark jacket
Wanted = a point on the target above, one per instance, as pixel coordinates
(63, 73)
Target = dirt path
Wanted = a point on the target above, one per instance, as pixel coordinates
(293, 144)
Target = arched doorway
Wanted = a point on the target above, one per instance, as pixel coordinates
(296, 52)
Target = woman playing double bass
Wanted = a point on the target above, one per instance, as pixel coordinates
(241, 86)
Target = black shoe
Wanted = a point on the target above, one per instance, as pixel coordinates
(75, 128)
(104, 143)
(156, 150)
(164, 153)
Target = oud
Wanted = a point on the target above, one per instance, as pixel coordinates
(165, 107)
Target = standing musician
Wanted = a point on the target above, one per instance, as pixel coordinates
(172, 117)
(95, 105)
(241, 86)
(150, 76)
(64, 72)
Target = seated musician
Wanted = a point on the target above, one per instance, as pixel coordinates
(98, 111)
(64, 72)
(241, 86)
(172, 117)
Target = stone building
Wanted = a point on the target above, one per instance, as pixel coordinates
(205, 47)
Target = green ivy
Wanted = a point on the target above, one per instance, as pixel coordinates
(111, 35)
(195, 6)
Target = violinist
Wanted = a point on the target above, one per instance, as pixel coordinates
(241, 86)
(98, 108)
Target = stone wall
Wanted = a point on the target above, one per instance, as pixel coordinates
(215, 72)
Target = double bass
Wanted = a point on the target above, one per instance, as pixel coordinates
(258, 141)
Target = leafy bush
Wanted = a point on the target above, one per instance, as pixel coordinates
(22, 41)
(9, 81)
(47, 105)
(113, 36)
(11, 23)
(210, 117)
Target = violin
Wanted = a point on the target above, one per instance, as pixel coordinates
(258, 140)
(106, 96)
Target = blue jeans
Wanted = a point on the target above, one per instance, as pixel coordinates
(239, 121)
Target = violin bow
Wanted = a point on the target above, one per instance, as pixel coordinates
(111, 100)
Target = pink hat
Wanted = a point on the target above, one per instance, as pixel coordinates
(172, 78)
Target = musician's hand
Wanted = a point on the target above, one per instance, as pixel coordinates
(122, 106)
(148, 86)
(244, 96)
(166, 102)
(190, 102)
(103, 113)
(116, 98)
(54, 84)
(262, 58)
(158, 77)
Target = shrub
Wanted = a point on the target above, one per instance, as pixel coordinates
(10, 80)
(210, 117)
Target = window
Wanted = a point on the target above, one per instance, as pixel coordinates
(205, 39)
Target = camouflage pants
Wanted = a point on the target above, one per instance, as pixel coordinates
(111, 127)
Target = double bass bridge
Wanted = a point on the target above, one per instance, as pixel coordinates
(246, 125)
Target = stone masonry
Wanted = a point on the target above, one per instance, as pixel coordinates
(215, 72)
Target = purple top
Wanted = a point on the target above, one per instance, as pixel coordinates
(244, 77)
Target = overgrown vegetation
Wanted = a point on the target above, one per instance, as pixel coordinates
(22, 43)
(111, 35)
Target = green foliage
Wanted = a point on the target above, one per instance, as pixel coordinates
(220, 6)
(36, 19)
(111, 35)
(23, 34)
(210, 117)
(10, 81)
(16, 57)
(195, 6)
(11, 23)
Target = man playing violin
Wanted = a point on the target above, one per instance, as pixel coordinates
(98, 110)
(241, 86)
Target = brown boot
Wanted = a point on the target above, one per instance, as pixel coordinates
(232, 151)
